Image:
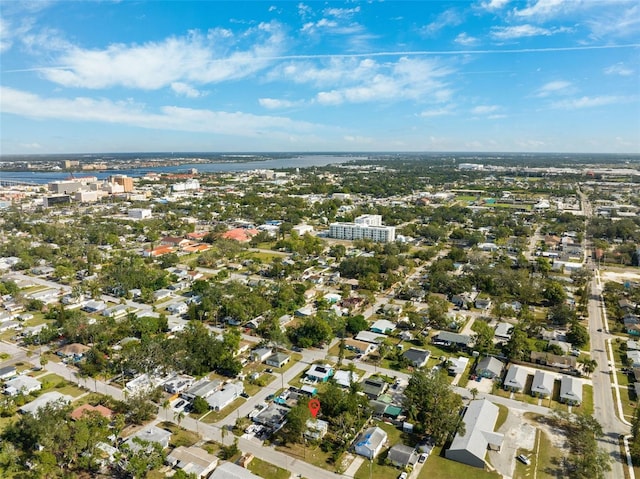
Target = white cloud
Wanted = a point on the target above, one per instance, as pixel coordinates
(352, 80)
(616, 23)
(618, 69)
(543, 8)
(519, 31)
(189, 59)
(6, 39)
(362, 140)
(436, 112)
(494, 4)
(185, 90)
(558, 87)
(448, 18)
(341, 12)
(174, 118)
(466, 40)
(484, 109)
(589, 102)
(275, 103)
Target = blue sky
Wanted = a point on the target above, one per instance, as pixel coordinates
(484, 75)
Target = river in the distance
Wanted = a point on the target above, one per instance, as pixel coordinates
(304, 161)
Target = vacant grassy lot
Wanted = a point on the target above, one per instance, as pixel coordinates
(439, 467)
(52, 382)
(267, 470)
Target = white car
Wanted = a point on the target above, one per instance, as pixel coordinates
(524, 459)
(403, 476)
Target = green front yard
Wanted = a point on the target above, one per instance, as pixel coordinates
(267, 470)
(439, 467)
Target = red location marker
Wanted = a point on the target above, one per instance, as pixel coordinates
(314, 407)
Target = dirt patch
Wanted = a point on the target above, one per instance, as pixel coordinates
(556, 435)
(619, 277)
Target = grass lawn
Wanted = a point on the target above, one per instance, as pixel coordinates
(502, 415)
(215, 416)
(439, 467)
(53, 381)
(267, 470)
(311, 454)
(180, 436)
(587, 399)
(545, 462)
(7, 421)
(4, 356)
(377, 469)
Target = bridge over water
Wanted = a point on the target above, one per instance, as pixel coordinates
(9, 183)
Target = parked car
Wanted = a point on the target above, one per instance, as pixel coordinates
(423, 457)
(524, 459)
(180, 404)
(268, 370)
(244, 395)
(403, 476)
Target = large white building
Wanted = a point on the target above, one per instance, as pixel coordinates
(364, 227)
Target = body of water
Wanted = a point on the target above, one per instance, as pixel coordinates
(274, 164)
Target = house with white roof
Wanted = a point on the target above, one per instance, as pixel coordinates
(370, 337)
(52, 397)
(316, 429)
(383, 326)
(515, 379)
(192, 460)
(570, 390)
(22, 385)
(149, 434)
(479, 422)
(370, 442)
(229, 470)
(221, 399)
(542, 385)
(345, 378)
(319, 373)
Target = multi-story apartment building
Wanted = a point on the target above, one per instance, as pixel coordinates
(364, 227)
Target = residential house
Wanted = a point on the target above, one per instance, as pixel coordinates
(402, 456)
(273, 416)
(21, 385)
(149, 434)
(383, 326)
(503, 331)
(221, 399)
(370, 442)
(203, 388)
(483, 303)
(80, 411)
(116, 312)
(52, 397)
(316, 429)
(360, 347)
(192, 460)
(457, 365)
(447, 338)
(7, 372)
(570, 390)
(373, 387)
(463, 300)
(489, 367)
(479, 422)
(516, 378)
(542, 385)
(229, 470)
(162, 294)
(345, 378)
(178, 308)
(417, 357)
(277, 360)
(633, 358)
(261, 354)
(93, 306)
(177, 384)
(319, 373)
(633, 345)
(73, 350)
(554, 360)
(370, 337)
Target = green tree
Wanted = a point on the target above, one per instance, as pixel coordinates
(577, 335)
(200, 405)
(296, 424)
(432, 405)
(518, 345)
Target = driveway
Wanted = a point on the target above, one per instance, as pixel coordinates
(517, 434)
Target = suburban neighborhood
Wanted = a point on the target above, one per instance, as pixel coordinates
(478, 318)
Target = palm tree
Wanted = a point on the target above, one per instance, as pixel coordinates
(588, 365)
(178, 416)
(474, 393)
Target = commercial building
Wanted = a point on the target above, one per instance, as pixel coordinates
(364, 227)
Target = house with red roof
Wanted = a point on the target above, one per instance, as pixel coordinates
(242, 235)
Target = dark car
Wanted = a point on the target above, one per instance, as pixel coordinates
(244, 395)
(268, 370)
